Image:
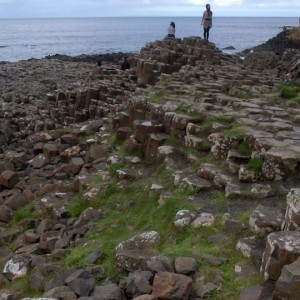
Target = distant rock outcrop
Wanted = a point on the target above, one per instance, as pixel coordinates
(281, 53)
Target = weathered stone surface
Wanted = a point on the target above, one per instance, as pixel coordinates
(6, 214)
(185, 265)
(282, 248)
(292, 214)
(16, 267)
(279, 164)
(107, 291)
(134, 253)
(60, 292)
(160, 263)
(81, 282)
(138, 283)
(9, 179)
(288, 284)
(172, 286)
(204, 219)
(251, 247)
(196, 183)
(184, 218)
(265, 219)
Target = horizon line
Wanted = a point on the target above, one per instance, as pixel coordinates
(81, 17)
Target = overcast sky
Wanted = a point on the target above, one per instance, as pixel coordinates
(140, 8)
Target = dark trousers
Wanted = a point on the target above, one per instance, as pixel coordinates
(206, 33)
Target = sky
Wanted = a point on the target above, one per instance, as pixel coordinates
(141, 8)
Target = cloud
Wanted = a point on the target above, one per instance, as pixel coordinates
(227, 2)
(109, 8)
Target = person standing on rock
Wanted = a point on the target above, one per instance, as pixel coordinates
(207, 21)
(171, 30)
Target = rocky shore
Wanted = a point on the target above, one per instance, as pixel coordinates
(175, 179)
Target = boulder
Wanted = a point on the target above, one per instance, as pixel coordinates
(134, 253)
(282, 248)
(172, 286)
(288, 284)
(108, 291)
(265, 219)
(292, 214)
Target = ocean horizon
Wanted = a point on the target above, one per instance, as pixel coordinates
(22, 39)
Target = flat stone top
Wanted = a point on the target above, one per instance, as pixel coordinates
(287, 240)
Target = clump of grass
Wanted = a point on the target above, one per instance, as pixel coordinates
(77, 205)
(244, 149)
(23, 213)
(288, 91)
(158, 97)
(77, 256)
(236, 131)
(113, 168)
(296, 100)
(243, 94)
(256, 164)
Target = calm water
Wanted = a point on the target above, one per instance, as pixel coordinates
(37, 38)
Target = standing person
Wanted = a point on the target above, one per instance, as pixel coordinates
(207, 21)
(171, 30)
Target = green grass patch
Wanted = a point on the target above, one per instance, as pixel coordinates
(157, 97)
(113, 168)
(23, 213)
(296, 100)
(288, 91)
(77, 205)
(244, 149)
(246, 95)
(237, 132)
(256, 164)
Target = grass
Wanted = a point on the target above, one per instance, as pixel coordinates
(77, 205)
(157, 97)
(256, 164)
(296, 100)
(288, 91)
(208, 123)
(236, 132)
(244, 149)
(244, 95)
(23, 213)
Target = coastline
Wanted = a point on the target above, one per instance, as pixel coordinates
(133, 151)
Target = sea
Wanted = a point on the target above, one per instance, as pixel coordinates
(22, 39)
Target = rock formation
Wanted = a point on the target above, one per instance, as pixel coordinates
(186, 91)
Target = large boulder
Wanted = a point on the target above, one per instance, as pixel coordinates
(134, 253)
(282, 248)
